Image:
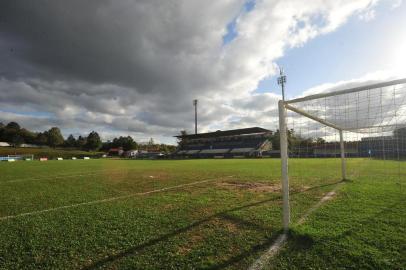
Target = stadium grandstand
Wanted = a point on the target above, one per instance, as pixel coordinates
(245, 142)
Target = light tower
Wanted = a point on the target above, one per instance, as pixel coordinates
(195, 104)
(281, 82)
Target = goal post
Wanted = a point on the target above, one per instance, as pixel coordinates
(372, 113)
(284, 162)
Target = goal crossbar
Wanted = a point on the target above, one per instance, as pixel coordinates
(347, 91)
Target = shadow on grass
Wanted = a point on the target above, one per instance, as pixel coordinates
(299, 241)
(321, 186)
(360, 224)
(225, 215)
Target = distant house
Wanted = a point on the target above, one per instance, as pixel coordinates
(150, 155)
(131, 153)
(116, 152)
(26, 145)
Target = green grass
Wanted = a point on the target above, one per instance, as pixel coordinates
(50, 153)
(224, 223)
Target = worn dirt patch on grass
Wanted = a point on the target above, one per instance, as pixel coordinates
(231, 227)
(194, 240)
(250, 186)
(197, 236)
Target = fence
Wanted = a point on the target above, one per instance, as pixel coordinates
(16, 157)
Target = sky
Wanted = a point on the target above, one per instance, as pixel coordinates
(133, 67)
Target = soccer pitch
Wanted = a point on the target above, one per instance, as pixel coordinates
(200, 214)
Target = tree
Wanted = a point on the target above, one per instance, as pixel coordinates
(55, 137)
(70, 141)
(42, 138)
(9, 134)
(275, 140)
(2, 137)
(182, 138)
(13, 125)
(293, 139)
(93, 141)
(151, 142)
(320, 141)
(80, 142)
(16, 135)
(127, 143)
(28, 136)
(17, 140)
(106, 145)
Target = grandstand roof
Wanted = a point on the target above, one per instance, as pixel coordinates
(231, 132)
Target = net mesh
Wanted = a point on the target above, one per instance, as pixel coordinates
(372, 110)
(373, 124)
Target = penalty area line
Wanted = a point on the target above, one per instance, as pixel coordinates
(265, 258)
(105, 200)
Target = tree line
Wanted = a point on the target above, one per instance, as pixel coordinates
(128, 143)
(15, 135)
(294, 140)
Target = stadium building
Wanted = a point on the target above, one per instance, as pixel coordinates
(246, 142)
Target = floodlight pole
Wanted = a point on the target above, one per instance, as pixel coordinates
(342, 150)
(284, 163)
(195, 104)
(281, 82)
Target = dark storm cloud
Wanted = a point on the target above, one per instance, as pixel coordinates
(143, 44)
(138, 58)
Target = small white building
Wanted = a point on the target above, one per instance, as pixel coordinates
(131, 153)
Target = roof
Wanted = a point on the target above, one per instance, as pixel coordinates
(116, 149)
(232, 132)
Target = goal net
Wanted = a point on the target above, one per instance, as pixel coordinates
(346, 134)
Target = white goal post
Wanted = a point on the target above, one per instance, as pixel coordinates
(371, 109)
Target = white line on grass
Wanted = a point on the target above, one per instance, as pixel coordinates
(105, 200)
(265, 258)
(49, 178)
(327, 197)
(58, 176)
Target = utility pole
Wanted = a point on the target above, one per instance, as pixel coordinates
(281, 82)
(195, 104)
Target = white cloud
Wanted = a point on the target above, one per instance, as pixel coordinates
(396, 3)
(367, 16)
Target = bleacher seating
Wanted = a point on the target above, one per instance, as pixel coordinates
(241, 142)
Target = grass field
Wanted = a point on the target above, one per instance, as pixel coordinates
(97, 214)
